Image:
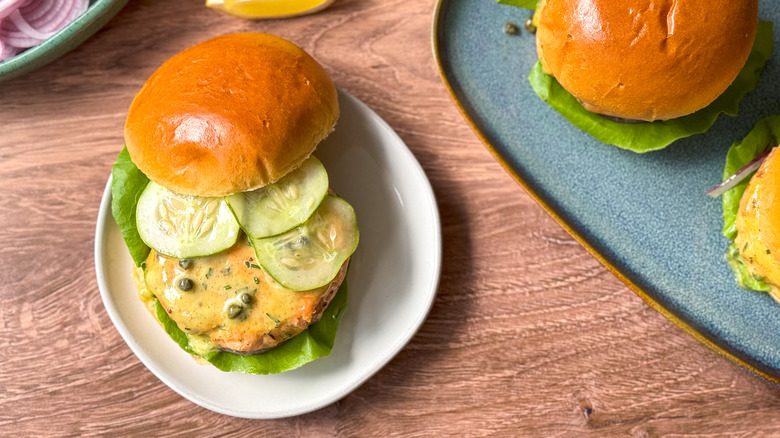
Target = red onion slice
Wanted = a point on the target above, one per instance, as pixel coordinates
(738, 177)
(46, 12)
(7, 51)
(9, 6)
(27, 23)
(35, 9)
(22, 24)
(12, 36)
(78, 8)
(20, 40)
(55, 18)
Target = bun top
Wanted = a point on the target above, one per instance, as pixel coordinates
(230, 114)
(645, 59)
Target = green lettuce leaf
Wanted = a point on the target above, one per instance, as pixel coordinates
(312, 343)
(765, 134)
(650, 136)
(127, 184)
(528, 4)
(743, 277)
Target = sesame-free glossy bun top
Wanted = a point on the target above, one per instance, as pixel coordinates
(230, 114)
(645, 59)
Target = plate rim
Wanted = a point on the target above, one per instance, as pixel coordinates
(669, 315)
(104, 219)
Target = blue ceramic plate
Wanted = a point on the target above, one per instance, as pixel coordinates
(98, 14)
(645, 217)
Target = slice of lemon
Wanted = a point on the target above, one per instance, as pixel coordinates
(260, 9)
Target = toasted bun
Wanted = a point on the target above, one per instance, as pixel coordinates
(645, 59)
(231, 114)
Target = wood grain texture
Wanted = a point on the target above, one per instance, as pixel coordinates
(529, 335)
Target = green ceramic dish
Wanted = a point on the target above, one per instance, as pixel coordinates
(98, 14)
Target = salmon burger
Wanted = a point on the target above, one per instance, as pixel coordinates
(239, 242)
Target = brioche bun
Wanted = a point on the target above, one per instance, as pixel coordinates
(230, 114)
(645, 59)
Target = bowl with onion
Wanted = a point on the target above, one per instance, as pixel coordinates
(36, 32)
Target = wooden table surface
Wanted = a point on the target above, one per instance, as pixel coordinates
(529, 335)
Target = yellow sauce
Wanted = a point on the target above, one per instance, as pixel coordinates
(219, 281)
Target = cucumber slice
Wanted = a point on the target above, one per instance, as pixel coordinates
(184, 226)
(282, 206)
(310, 256)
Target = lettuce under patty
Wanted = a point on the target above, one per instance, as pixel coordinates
(649, 136)
(764, 135)
(127, 184)
(741, 274)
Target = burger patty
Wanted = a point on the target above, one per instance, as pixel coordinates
(758, 222)
(226, 301)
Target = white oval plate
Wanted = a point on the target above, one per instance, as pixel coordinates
(393, 279)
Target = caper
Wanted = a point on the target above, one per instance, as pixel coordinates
(234, 311)
(510, 28)
(185, 263)
(245, 298)
(184, 284)
(529, 25)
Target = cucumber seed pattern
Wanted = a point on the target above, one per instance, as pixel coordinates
(187, 217)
